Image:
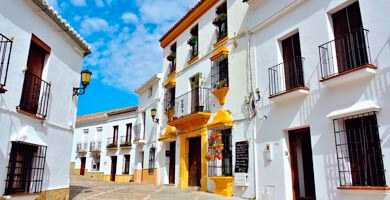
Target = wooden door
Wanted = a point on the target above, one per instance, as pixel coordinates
(302, 164)
(349, 38)
(194, 93)
(194, 162)
(32, 79)
(293, 71)
(82, 168)
(113, 168)
(172, 154)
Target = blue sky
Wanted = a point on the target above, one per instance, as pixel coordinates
(124, 36)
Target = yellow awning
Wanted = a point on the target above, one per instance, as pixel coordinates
(222, 50)
(221, 120)
(169, 134)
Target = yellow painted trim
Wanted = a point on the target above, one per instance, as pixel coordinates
(61, 193)
(194, 59)
(171, 81)
(193, 120)
(221, 94)
(169, 134)
(222, 50)
(187, 21)
(221, 119)
(223, 185)
(219, 42)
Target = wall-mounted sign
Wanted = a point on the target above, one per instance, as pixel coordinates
(241, 179)
(242, 157)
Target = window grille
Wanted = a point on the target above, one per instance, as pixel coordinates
(220, 156)
(25, 169)
(359, 153)
(220, 73)
(152, 155)
(126, 165)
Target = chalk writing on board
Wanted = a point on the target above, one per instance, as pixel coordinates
(242, 157)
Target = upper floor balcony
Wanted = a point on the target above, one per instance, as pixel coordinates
(139, 135)
(95, 146)
(82, 147)
(125, 142)
(112, 143)
(346, 58)
(5, 56)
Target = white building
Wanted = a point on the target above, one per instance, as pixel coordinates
(42, 58)
(323, 70)
(149, 152)
(103, 145)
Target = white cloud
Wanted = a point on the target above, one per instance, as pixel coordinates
(92, 25)
(78, 2)
(129, 17)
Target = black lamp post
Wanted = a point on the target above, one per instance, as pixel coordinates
(153, 113)
(85, 79)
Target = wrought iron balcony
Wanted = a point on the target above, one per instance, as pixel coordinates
(5, 56)
(345, 53)
(95, 146)
(112, 143)
(125, 141)
(286, 76)
(35, 95)
(139, 136)
(82, 147)
(196, 100)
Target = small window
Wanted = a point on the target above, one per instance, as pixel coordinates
(359, 153)
(152, 155)
(193, 42)
(150, 91)
(220, 21)
(220, 73)
(126, 165)
(220, 153)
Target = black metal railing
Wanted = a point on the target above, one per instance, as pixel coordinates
(35, 95)
(345, 53)
(95, 146)
(81, 147)
(137, 132)
(5, 56)
(220, 156)
(196, 100)
(286, 76)
(125, 141)
(112, 143)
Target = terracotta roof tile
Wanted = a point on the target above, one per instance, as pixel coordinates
(108, 112)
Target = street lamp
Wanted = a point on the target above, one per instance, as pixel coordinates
(85, 79)
(153, 113)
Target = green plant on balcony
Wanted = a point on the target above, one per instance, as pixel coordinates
(112, 145)
(192, 41)
(126, 144)
(171, 56)
(220, 19)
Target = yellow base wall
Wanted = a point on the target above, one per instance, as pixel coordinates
(95, 175)
(143, 176)
(223, 185)
(73, 169)
(120, 178)
(58, 194)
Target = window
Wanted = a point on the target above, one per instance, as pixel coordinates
(193, 41)
(152, 155)
(129, 128)
(220, 73)
(359, 152)
(5, 55)
(220, 21)
(144, 123)
(220, 153)
(115, 134)
(126, 164)
(172, 58)
(35, 93)
(25, 168)
(150, 91)
(95, 163)
(169, 101)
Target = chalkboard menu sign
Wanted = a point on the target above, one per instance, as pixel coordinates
(242, 157)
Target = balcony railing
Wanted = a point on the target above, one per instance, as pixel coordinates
(286, 76)
(196, 100)
(35, 95)
(111, 143)
(82, 147)
(137, 133)
(345, 53)
(125, 141)
(95, 146)
(5, 56)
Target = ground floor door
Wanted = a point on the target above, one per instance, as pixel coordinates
(301, 159)
(82, 167)
(194, 161)
(142, 166)
(172, 154)
(113, 168)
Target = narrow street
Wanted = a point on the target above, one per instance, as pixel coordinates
(87, 188)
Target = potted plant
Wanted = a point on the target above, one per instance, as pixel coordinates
(171, 56)
(220, 147)
(221, 18)
(219, 136)
(213, 137)
(218, 155)
(192, 41)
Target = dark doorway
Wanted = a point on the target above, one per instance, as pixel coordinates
(142, 166)
(82, 168)
(194, 162)
(172, 154)
(292, 60)
(113, 168)
(302, 164)
(349, 36)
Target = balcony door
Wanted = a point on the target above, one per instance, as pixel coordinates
(115, 135)
(33, 76)
(292, 60)
(349, 36)
(194, 93)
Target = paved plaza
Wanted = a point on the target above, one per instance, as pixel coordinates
(87, 188)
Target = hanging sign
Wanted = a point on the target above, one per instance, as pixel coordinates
(242, 157)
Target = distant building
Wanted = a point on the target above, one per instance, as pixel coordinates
(40, 62)
(103, 145)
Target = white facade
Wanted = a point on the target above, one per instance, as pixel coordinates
(62, 66)
(269, 22)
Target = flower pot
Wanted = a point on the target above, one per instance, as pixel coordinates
(219, 136)
(171, 56)
(219, 156)
(220, 147)
(213, 137)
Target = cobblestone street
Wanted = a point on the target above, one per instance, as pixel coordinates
(87, 188)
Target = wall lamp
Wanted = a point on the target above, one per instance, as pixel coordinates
(85, 79)
(153, 113)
